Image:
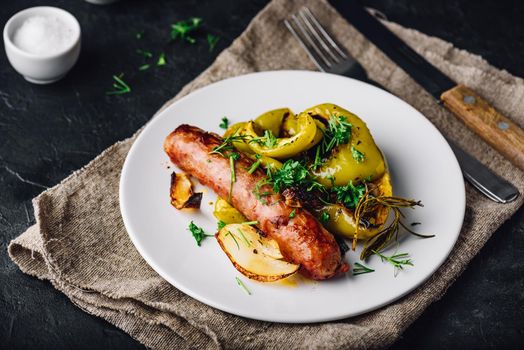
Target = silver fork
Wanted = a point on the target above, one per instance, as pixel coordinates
(323, 50)
(330, 57)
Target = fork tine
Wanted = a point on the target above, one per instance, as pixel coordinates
(324, 33)
(313, 30)
(297, 30)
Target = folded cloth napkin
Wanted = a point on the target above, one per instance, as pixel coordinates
(80, 245)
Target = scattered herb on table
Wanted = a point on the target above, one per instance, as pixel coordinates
(181, 29)
(361, 269)
(161, 60)
(242, 286)
(144, 67)
(198, 233)
(140, 34)
(120, 86)
(146, 54)
(224, 124)
(212, 41)
(357, 155)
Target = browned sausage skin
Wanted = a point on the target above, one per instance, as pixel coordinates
(302, 239)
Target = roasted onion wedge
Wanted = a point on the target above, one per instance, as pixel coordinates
(255, 256)
(181, 192)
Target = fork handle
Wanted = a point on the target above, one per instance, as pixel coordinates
(497, 130)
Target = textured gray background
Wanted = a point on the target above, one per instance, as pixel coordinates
(48, 132)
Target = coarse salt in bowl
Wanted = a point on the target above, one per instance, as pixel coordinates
(42, 43)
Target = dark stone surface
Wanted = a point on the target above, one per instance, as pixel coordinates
(46, 132)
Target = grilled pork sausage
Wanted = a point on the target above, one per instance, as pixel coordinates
(302, 239)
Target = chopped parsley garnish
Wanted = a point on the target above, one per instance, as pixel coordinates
(161, 60)
(212, 41)
(224, 124)
(350, 194)
(270, 139)
(337, 133)
(293, 173)
(120, 86)
(146, 54)
(242, 286)
(360, 269)
(255, 165)
(357, 155)
(181, 29)
(198, 233)
(234, 156)
(324, 217)
(292, 214)
(221, 224)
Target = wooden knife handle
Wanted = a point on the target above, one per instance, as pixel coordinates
(501, 133)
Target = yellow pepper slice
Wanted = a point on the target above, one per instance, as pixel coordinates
(236, 129)
(272, 120)
(341, 220)
(266, 162)
(227, 213)
(343, 165)
(288, 146)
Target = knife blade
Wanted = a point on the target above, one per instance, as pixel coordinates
(497, 130)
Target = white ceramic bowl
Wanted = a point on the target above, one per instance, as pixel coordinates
(42, 69)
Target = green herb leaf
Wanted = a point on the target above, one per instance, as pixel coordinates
(234, 239)
(360, 269)
(161, 60)
(120, 86)
(181, 29)
(349, 195)
(224, 124)
(397, 260)
(357, 155)
(146, 54)
(212, 41)
(221, 224)
(242, 286)
(292, 214)
(293, 173)
(198, 233)
(144, 67)
(324, 217)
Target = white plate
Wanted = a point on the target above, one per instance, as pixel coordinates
(421, 163)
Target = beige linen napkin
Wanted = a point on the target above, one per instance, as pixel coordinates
(79, 242)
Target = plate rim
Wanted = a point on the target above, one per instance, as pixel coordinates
(217, 305)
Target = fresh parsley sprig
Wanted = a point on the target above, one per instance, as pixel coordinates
(198, 233)
(212, 41)
(349, 195)
(358, 156)
(224, 124)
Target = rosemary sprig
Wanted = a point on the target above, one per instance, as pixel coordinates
(361, 269)
(120, 86)
(242, 286)
(397, 260)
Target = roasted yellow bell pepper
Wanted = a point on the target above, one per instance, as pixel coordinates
(285, 147)
(344, 164)
(227, 213)
(236, 129)
(272, 120)
(341, 219)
